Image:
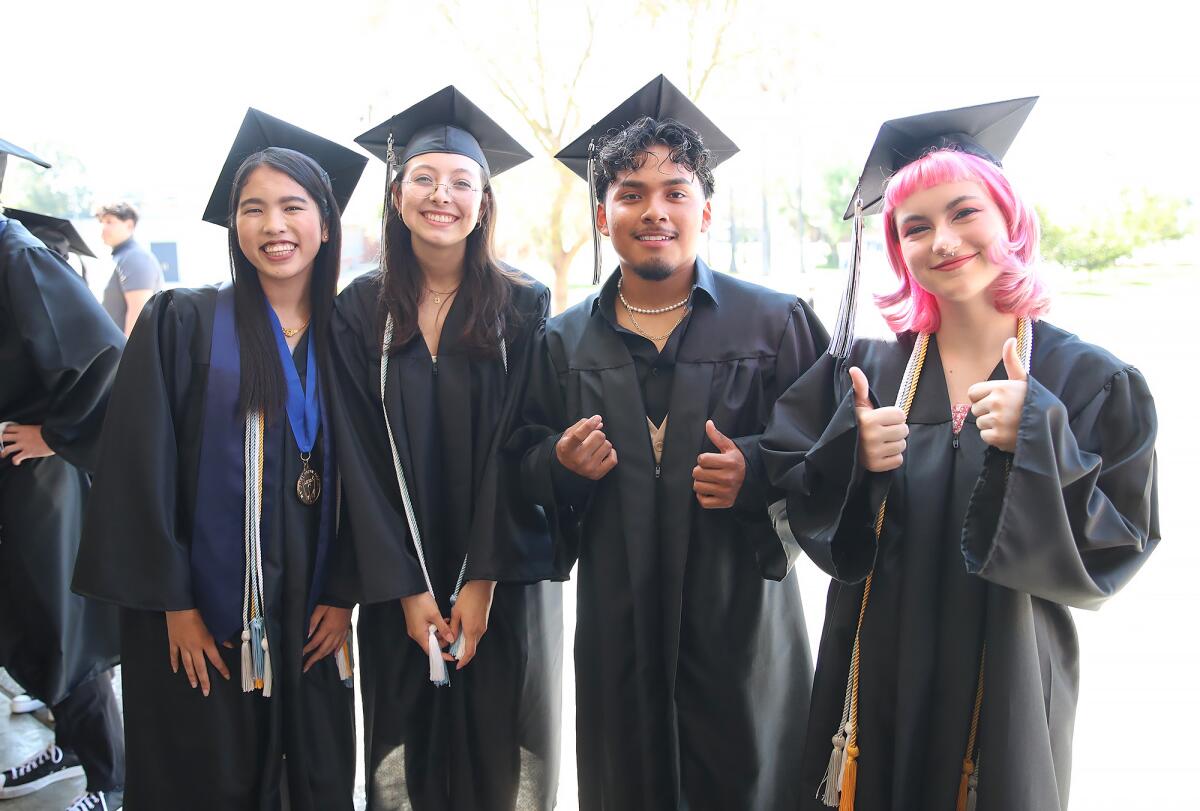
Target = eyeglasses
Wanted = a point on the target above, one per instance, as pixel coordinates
(426, 186)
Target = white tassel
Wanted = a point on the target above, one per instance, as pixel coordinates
(972, 790)
(247, 664)
(437, 665)
(831, 794)
(266, 690)
(456, 649)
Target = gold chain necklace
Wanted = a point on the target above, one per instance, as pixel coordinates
(643, 332)
(437, 294)
(292, 332)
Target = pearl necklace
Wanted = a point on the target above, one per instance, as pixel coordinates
(648, 310)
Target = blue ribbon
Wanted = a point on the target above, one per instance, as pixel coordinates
(303, 407)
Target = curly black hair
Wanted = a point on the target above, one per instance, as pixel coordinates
(625, 151)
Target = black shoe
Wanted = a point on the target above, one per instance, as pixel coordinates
(98, 801)
(48, 766)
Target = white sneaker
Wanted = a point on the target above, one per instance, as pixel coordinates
(25, 703)
(97, 801)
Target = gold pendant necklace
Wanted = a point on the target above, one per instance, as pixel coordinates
(438, 294)
(291, 332)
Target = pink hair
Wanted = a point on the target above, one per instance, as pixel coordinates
(1016, 290)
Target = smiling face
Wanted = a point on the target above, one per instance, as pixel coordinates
(440, 198)
(654, 215)
(279, 227)
(946, 236)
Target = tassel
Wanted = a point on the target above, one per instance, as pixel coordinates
(842, 337)
(266, 678)
(247, 663)
(437, 665)
(456, 648)
(968, 769)
(972, 791)
(833, 774)
(344, 658)
(849, 778)
(596, 252)
(257, 635)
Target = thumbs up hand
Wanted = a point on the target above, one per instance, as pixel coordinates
(717, 478)
(997, 404)
(881, 431)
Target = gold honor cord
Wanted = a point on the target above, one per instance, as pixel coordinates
(837, 790)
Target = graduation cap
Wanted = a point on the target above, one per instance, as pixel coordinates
(260, 131)
(43, 222)
(447, 121)
(660, 100)
(7, 148)
(984, 130)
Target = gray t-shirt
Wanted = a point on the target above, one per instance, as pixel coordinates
(137, 269)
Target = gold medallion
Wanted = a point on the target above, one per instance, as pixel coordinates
(308, 483)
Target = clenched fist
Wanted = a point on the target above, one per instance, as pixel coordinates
(585, 451)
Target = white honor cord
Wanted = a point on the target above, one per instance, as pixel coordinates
(409, 512)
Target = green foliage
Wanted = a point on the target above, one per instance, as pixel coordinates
(823, 211)
(1103, 240)
(60, 191)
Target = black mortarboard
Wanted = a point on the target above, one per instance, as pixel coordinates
(984, 130)
(259, 131)
(660, 100)
(447, 121)
(7, 149)
(34, 221)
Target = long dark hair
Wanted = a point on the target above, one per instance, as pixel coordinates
(485, 292)
(262, 384)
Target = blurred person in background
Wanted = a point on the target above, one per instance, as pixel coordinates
(137, 275)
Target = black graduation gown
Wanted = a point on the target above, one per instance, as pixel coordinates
(227, 750)
(971, 552)
(491, 739)
(59, 353)
(691, 655)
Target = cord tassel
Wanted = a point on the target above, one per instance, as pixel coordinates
(344, 658)
(258, 639)
(973, 791)
(830, 788)
(437, 665)
(849, 778)
(247, 664)
(267, 678)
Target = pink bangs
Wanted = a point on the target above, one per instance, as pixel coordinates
(1016, 290)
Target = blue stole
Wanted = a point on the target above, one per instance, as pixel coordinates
(218, 557)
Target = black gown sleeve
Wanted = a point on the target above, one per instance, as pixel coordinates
(810, 453)
(135, 549)
(804, 340)
(561, 494)
(509, 540)
(75, 347)
(375, 561)
(1073, 514)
